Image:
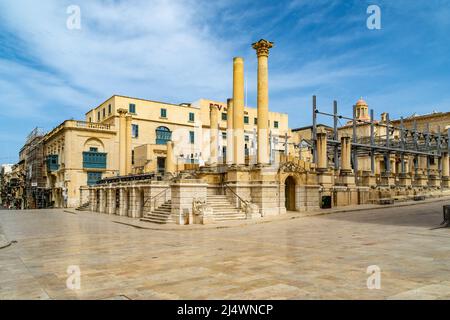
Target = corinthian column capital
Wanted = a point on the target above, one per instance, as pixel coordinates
(262, 47)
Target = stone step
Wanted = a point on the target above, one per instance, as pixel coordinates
(229, 218)
(226, 205)
(158, 214)
(164, 209)
(161, 215)
(225, 211)
(157, 221)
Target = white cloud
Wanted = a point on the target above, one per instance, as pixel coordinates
(152, 49)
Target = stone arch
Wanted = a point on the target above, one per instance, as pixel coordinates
(163, 135)
(94, 143)
(290, 184)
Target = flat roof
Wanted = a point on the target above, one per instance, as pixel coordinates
(310, 127)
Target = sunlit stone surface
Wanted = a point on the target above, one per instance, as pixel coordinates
(321, 257)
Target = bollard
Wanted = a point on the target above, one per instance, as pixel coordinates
(446, 213)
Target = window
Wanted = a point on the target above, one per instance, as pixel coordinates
(275, 124)
(132, 157)
(163, 113)
(94, 160)
(109, 109)
(132, 108)
(256, 121)
(246, 119)
(90, 119)
(247, 138)
(92, 149)
(52, 163)
(224, 135)
(163, 135)
(192, 137)
(224, 116)
(191, 117)
(93, 178)
(134, 131)
(98, 116)
(104, 112)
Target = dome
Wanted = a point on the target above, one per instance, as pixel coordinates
(361, 103)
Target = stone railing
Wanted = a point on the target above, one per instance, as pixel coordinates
(89, 125)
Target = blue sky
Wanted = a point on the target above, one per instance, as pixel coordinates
(180, 51)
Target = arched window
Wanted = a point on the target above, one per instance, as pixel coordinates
(163, 135)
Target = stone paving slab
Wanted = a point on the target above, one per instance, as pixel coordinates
(4, 242)
(316, 257)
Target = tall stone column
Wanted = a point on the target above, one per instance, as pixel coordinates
(230, 130)
(122, 141)
(445, 170)
(128, 145)
(238, 111)
(262, 51)
(214, 135)
(170, 159)
(322, 161)
(346, 154)
(346, 175)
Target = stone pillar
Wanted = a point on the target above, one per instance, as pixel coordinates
(170, 159)
(445, 170)
(346, 155)
(92, 199)
(102, 201)
(214, 135)
(129, 147)
(238, 111)
(346, 175)
(322, 163)
(111, 199)
(122, 142)
(421, 178)
(230, 130)
(183, 195)
(133, 203)
(123, 207)
(262, 51)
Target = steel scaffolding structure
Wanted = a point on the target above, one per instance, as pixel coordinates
(411, 141)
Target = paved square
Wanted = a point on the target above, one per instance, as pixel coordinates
(320, 257)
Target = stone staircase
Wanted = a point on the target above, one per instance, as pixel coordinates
(161, 215)
(223, 210)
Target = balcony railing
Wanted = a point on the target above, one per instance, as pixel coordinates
(52, 163)
(91, 125)
(94, 160)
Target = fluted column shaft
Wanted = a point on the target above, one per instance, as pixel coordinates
(230, 150)
(214, 135)
(170, 160)
(346, 154)
(238, 111)
(262, 51)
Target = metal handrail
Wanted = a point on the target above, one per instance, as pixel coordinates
(156, 196)
(232, 191)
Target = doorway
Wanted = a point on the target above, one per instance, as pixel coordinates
(161, 165)
(289, 193)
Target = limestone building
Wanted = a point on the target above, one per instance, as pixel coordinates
(124, 136)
